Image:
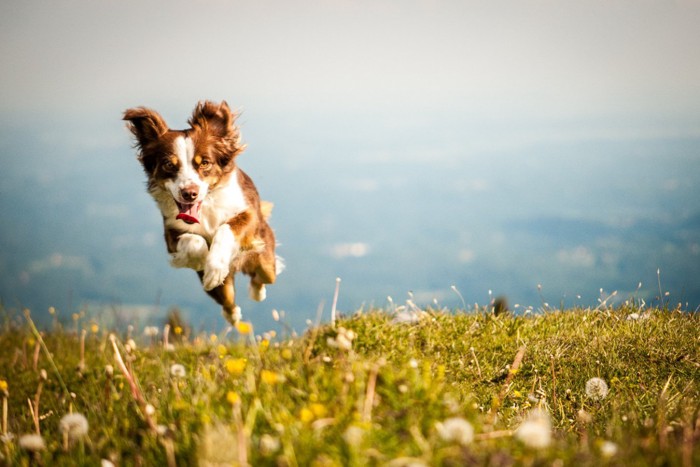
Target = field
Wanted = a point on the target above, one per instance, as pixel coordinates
(396, 387)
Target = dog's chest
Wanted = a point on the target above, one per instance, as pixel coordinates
(219, 205)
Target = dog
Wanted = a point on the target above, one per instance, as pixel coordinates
(214, 220)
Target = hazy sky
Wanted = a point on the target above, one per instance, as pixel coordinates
(576, 110)
(634, 62)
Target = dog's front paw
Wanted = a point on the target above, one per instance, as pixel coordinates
(191, 252)
(215, 272)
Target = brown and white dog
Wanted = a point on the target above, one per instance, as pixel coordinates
(214, 220)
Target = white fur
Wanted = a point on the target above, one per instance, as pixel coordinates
(257, 293)
(191, 252)
(224, 248)
(187, 175)
(218, 206)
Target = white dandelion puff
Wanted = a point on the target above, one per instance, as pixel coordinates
(596, 389)
(536, 431)
(32, 443)
(457, 430)
(608, 449)
(177, 370)
(343, 340)
(269, 444)
(354, 435)
(74, 425)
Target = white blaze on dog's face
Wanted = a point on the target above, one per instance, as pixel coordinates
(187, 164)
(188, 186)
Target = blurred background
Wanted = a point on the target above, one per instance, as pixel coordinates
(548, 151)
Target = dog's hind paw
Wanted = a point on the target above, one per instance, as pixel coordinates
(232, 316)
(257, 292)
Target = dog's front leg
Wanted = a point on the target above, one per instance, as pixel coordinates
(190, 252)
(224, 247)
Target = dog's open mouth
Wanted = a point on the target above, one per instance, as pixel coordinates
(189, 212)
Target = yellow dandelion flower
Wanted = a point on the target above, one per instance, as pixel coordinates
(244, 327)
(264, 345)
(306, 415)
(213, 338)
(235, 366)
(319, 410)
(270, 377)
(287, 354)
(4, 386)
(177, 330)
(94, 328)
(233, 398)
(222, 350)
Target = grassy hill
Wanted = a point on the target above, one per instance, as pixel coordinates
(587, 387)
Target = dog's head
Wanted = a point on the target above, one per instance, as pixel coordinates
(187, 163)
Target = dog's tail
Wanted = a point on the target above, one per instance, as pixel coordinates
(266, 209)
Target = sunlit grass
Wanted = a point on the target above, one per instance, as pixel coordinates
(593, 387)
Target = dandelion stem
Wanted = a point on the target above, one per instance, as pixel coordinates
(476, 360)
(369, 395)
(464, 304)
(335, 300)
(36, 333)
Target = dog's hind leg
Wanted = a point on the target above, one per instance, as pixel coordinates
(264, 273)
(225, 295)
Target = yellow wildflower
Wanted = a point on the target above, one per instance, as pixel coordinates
(233, 398)
(270, 377)
(306, 415)
(235, 366)
(3, 386)
(319, 410)
(94, 328)
(177, 330)
(213, 338)
(244, 327)
(287, 354)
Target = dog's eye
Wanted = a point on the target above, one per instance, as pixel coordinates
(205, 164)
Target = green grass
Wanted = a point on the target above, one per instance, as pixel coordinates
(377, 397)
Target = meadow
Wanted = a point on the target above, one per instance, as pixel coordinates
(397, 387)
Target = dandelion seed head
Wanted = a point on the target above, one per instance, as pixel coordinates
(457, 430)
(150, 410)
(32, 443)
(269, 444)
(75, 425)
(353, 435)
(608, 449)
(150, 331)
(536, 431)
(177, 370)
(596, 389)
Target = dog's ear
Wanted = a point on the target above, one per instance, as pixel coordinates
(215, 118)
(146, 124)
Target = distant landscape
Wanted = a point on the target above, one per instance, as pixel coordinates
(551, 222)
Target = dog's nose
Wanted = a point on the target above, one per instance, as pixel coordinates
(189, 193)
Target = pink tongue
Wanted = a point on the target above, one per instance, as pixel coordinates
(189, 212)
